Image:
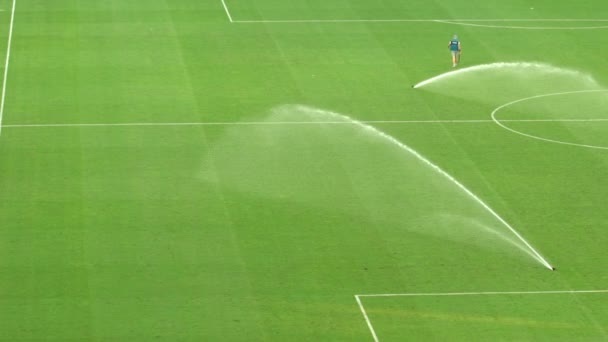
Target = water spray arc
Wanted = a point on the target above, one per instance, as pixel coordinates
(515, 66)
(394, 141)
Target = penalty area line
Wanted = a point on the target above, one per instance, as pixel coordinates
(227, 11)
(367, 320)
(453, 294)
(6, 63)
(278, 21)
(486, 293)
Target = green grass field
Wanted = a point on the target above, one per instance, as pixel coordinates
(263, 170)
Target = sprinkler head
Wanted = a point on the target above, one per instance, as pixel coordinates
(553, 269)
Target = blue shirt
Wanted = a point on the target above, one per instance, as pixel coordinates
(454, 45)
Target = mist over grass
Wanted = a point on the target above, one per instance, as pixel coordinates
(576, 118)
(497, 83)
(321, 159)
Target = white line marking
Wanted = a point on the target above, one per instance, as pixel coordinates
(227, 11)
(369, 323)
(500, 122)
(480, 293)
(452, 22)
(290, 123)
(411, 20)
(8, 55)
(453, 294)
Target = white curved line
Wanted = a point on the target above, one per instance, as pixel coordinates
(503, 65)
(493, 115)
(523, 27)
(439, 170)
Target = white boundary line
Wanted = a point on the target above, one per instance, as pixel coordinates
(438, 294)
(289, 123)
(449, 21)
(464, 23)
(227, 11)
(8, 55)
(453, 294)
(367, 320)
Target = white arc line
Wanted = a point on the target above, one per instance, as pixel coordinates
(227, 11)
(500, 122)
(8, 55)
(369, 323)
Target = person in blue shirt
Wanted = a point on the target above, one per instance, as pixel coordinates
(455, 48)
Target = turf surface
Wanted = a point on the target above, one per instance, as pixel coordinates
(266, 232)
